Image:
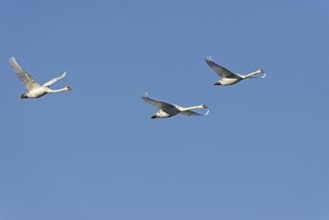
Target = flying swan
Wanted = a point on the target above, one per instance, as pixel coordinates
(229, 78)
(35, 90)
(168, 110)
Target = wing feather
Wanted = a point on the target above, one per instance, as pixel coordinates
(157, 103)
(221, 71)
(192, 113)
(23, 76)
(50, 82)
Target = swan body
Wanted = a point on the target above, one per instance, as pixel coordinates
(167, 110)
(35, 90)
(228, 77)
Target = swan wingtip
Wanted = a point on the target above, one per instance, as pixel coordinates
(12, 58)
(208, 58)
(145, 95)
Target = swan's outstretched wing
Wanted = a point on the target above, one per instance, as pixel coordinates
(50, 82)
(263, 76)
(255, 77)
(23, 76)
(221, 71)
(156, 103)
(192, 113)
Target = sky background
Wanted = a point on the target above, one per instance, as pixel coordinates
(94, 153)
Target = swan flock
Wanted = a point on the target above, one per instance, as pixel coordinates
(166, 110)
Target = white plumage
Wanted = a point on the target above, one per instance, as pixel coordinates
(35, 90)
(229, 78)
(167, 110)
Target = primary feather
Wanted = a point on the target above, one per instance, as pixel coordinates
(23, 76)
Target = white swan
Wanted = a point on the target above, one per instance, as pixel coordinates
(168, 110)
(34, 88)
(229, 78)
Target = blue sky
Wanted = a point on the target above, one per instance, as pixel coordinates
(93, 153)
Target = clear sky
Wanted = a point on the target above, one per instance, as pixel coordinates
(94, 153)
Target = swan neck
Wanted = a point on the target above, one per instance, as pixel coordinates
(56, 90)
(255, 72)
(191, 108)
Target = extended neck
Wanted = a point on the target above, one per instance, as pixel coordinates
(252, 74)
(191, 108)
(57, 90)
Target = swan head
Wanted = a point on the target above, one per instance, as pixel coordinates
(217, 83)
(204, 106)
(68, 88)
(261, 71)
(24, 96)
